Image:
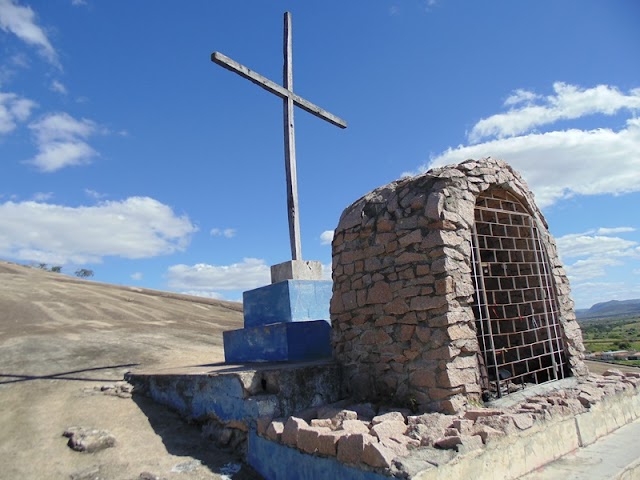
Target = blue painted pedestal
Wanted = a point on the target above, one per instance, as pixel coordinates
(285, 321)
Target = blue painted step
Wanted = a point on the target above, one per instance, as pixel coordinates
(279, 342)
(287, 301)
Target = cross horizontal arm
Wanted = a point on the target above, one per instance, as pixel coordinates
(273, 87)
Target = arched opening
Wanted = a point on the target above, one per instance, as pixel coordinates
(515, 302)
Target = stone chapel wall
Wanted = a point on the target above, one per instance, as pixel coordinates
(401, 310)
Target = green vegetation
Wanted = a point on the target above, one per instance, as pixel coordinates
(84, 273)
(54, 269)
(614, 333)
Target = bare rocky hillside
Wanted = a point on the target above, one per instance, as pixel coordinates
(65, 343)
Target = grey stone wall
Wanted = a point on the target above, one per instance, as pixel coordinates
(403, 327)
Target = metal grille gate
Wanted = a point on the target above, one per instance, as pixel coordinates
(515, 305)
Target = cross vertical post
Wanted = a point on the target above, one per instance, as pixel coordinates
(290, 145)
(290, 100)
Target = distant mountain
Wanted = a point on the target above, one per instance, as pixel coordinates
(612, 308)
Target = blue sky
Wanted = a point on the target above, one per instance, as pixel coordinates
(126, 151)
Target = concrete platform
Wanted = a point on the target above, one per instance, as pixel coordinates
(240, 394)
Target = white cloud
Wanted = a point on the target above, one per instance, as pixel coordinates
(93, 194)
(61, 141)
(78, 3)
(137, 276)
(569, 102)
(582, 245)
(21, 22)
(250, 273)
(138, 227)
(520, 96)
(42, 196)
(612, 231)
(57, 86)
(591, 267)
(561, 164)
(592, 254)
(13, 109)
(589, 293)
(226, 232)
(326, 237)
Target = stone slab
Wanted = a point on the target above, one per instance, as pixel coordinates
(296, 270)
(614, 457)
(279, 342)
(287, 301)
(241, 393)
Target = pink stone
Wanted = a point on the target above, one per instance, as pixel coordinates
(395, 416)
(379, 293)
(274, 430)
(470, 443)
(377, 455)
(398, 447)
(328, 441)
(351, 447)
(321, 422)
(308, 438)
(464, 426)
(486, 433)
(423, 378)
(523, 421)
(406, 441)
(355, 426)
(262, 424)
(474, 414)
(291, 429)
(449, 443)
(389, 428)
(396, 307)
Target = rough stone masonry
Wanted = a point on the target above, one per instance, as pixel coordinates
(402, 309)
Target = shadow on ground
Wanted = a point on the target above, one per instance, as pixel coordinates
(185, 440)
(16, 378)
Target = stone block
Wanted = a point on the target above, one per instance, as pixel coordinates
(355, 426)
(296, 270)
(287, 301)
(351, 447)
(394, 416)
(274, 430)
(298, 341)
(388, 429)
(377, 455)
(328, 442)
(308, 438)
(292, 430)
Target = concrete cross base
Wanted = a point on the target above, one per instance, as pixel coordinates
(279, 342)
(287, 301)
(296, 270)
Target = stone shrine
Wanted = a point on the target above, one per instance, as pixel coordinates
(448, 289)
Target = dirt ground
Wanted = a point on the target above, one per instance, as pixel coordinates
(63, 339)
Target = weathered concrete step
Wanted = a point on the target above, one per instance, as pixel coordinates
(242, 393)
(616, 456)
(279, 342)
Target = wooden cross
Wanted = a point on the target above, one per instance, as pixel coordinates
(290, 99)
